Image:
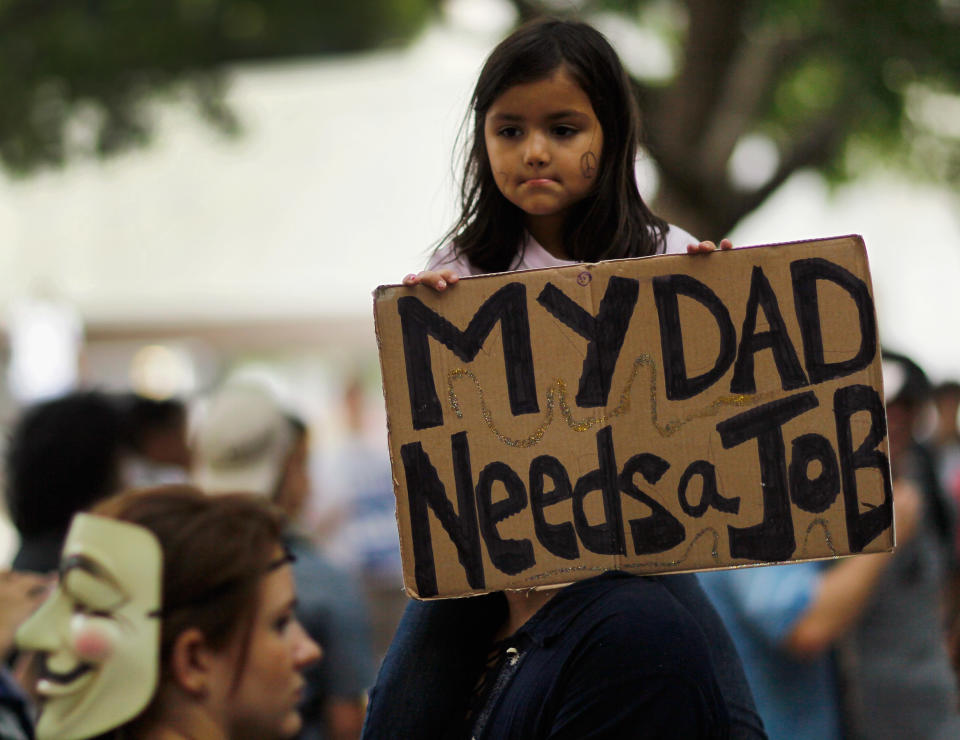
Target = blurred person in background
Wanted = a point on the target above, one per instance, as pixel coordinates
(357, 523)
(946, 437)
(155, 432)
(946, 440)
(786, 621)
(173, 619)
(244, 441)
(20, 595)
(900, 680)
(856, 648)
(946, 397)
(63, 456)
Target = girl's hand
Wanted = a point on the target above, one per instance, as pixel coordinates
(439, 280)
(707, 247)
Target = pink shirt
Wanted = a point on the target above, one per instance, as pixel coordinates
(533, 256)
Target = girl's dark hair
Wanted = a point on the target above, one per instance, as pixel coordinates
(612, 221)
(216, 550)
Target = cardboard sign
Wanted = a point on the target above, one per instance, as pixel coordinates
(660, 414)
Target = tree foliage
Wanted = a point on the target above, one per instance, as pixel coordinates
(823, 81)
(820, 82)
(99, 61)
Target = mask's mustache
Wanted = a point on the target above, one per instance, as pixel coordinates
(63, 678)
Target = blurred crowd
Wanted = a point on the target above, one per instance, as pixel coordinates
(865, 647)
(67, 454)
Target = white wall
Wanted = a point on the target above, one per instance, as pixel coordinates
(340, 182)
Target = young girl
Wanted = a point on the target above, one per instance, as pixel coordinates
(549, 177)
(550, 181)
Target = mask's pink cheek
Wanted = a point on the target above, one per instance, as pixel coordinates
(93, 643)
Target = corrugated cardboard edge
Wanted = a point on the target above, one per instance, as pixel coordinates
(858, 239)
(378, 293)
(382, 290)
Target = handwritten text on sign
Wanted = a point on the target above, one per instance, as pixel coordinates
(727, 410)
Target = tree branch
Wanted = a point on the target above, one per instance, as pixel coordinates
(714, 36)
(528, 9)
(715, 207)
(762, 62)
(25, 11)
(820, 144)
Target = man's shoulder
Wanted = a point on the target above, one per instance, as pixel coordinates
(619, 593)
(641, 611)
(631, 615)
(617, 636)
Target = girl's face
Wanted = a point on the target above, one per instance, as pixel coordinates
(264, 702)
(544, 143)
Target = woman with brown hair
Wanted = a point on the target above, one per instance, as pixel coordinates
(173, 619)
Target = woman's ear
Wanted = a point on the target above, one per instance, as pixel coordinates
(192, 662)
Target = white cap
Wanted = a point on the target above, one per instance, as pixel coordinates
(242, 442)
